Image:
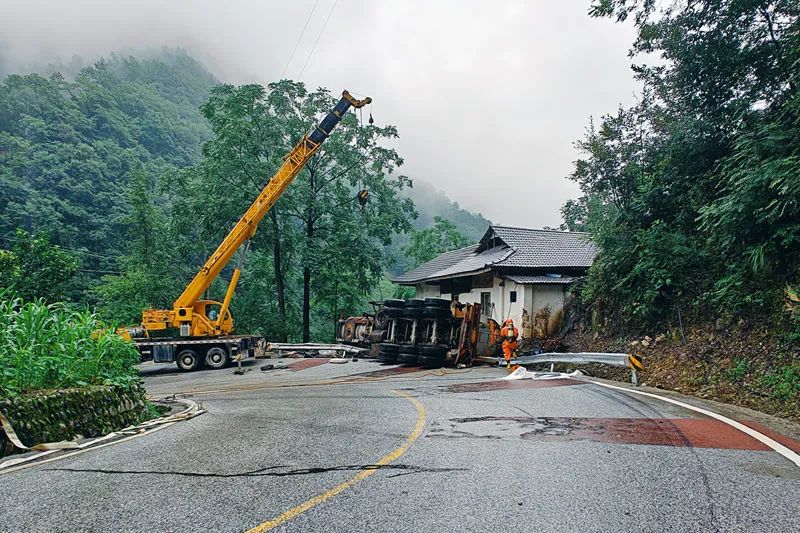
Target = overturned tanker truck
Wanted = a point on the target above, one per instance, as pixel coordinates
(433, 332)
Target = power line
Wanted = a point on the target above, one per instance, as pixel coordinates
(318, 37)
(299, 39)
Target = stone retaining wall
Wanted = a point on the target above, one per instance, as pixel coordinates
(53, 416)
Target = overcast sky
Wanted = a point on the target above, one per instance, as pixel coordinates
(488, 96)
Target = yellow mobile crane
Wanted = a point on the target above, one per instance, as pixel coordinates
(205, 326)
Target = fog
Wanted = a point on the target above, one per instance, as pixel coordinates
(488, 96)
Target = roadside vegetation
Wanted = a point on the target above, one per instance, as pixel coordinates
(693, 193)
(693, 196)
(51, 346)
(132, 170)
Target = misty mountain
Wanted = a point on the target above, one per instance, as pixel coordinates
(71, 134)
(429, 202)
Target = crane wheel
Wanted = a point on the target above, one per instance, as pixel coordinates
(217, 357)
(188, 360)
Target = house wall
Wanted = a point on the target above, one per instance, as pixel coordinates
(530, 298)
(427, 290)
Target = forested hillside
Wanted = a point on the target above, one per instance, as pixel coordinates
(136, 169)
(69, 149)
(693, 194)
(431, 202)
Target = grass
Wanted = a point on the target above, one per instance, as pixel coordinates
(51, 346)
(783, 383)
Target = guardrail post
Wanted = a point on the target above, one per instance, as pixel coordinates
(635, 363)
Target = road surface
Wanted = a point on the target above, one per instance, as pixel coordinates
(365, 447)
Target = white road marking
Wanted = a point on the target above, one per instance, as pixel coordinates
(776, 446)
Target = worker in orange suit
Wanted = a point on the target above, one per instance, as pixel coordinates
(509, 334)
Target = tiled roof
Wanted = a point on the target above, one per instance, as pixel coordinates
(426, 270)
(476, 262)
(540, 248)
(517, 247)
(541, 280)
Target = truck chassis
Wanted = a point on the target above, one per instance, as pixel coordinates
(193, 353)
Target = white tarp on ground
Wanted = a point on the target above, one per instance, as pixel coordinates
(522, 373)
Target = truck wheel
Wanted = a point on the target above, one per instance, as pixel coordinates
(188, 360)
(217, 357)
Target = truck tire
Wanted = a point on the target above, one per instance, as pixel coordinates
(433, 351)
(437, 302)
(436, 312)
(217, 357)
(432, 356)
(388, 352)
(407, 355)
(381, 319)
(430, 362)
(188, 360)
(392, 312)
(412, 312)
(414, 302)
(394, 303)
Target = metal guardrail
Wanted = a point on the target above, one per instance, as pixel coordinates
(621, 360)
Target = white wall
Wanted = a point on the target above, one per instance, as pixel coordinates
(426, 290)
(532, 298)
(548, 295)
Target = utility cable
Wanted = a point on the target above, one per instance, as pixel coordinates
(291, 56)
(313, 48)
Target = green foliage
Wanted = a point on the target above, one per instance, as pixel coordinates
(151, 274)
(430, 202)
(67, 148)
(317, 245)
(692, 193)
(740, 369)
(34, 268)
(47, 346)
(427, 244)
(783, 383)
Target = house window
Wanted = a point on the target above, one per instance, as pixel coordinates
(513, 296)
(486, 303)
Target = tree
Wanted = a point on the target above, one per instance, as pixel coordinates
(34, 268)
(691, 193)
(427, 244)
(151, 276)
(318, 236)
(68, 144)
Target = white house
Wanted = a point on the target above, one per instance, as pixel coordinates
(518, 273)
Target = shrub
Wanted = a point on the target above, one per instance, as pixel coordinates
(48, 346)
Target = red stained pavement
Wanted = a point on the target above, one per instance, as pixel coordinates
(302, 364)
(680, 432)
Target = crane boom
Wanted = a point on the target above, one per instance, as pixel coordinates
(189, 313)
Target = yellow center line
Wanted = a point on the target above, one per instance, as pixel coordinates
(362, 475)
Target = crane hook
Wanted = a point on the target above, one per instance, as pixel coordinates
(371, 121)
(363, 196)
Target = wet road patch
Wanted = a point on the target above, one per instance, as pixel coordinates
(679, 432)
(483, 386)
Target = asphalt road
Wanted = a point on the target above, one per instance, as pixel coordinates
(363, 447)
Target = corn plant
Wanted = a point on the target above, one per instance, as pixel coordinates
(49, 346)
